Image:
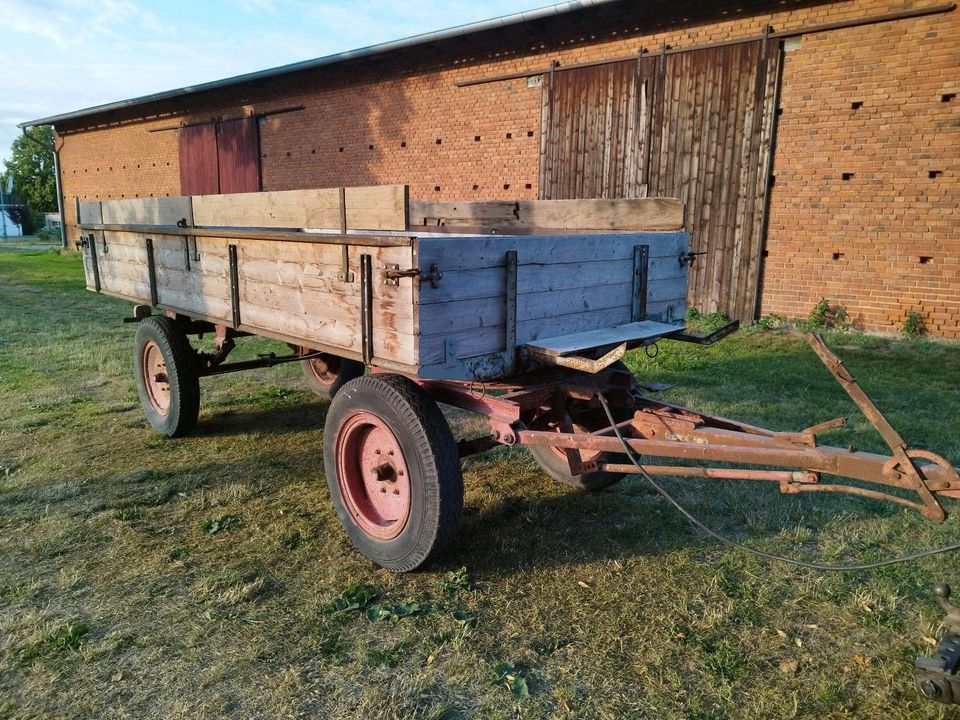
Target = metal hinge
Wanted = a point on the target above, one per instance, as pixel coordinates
(392, 274)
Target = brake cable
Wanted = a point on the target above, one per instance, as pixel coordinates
(628, 451)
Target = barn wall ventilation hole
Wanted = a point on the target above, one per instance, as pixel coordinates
(934, 174)
(925, 259)
(856, 105)
(838, 256)
(948, 97)
(847, 176)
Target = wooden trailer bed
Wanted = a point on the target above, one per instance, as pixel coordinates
(461, 291)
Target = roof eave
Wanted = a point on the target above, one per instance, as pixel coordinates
(365, 52)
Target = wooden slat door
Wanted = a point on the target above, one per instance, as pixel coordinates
(199, 172)
(221, 157)
(696, 126)
(238, 155)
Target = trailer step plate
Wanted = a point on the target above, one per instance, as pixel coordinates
(635, 332)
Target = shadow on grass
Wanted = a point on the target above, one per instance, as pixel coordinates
(243, 420)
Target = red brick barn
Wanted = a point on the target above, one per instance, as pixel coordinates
(857, 202)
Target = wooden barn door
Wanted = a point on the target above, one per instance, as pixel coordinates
(221, 157)
(694, 125)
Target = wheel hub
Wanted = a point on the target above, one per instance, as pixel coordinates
(373, 476)
(326, 368)
(155, 378)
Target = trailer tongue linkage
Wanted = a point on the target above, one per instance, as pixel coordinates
(660, 430)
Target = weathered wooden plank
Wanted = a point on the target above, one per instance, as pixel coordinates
(147, 211)
(591, 214)
(380, 207)
(579, 342)
(451, 254)
(473, 342)
(538, 277)
(90, 212)
(337, 333)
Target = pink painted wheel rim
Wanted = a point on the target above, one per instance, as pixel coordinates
(155, 379)
(372, 475)
(325, 369)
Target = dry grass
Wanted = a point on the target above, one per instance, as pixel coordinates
(115, 603)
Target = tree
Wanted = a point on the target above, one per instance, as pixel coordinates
(31, 167)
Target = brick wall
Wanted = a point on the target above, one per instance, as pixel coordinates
(402, 119)
(885, 241)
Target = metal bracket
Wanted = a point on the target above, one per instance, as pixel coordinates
(641, 264)
(152, 273)
(95, 266)
(366, 308)
(234, 286)
(392, 274)
(344, 275)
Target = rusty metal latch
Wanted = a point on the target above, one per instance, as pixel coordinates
(392, 274)
(688, 258)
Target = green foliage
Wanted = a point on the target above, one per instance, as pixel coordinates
(129, 514)
(292, 540)
(705, 323)
(395, 612)
(913, 325)
(45, 235)
(825, 316)
(771, 322)
(31, 167)
(54, 642)
(355, 597)
(454, 582)
(21, 215)
(464, 618)
(214, 525)
(514, 677)
(392, 656)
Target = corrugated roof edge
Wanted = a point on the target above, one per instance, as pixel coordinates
(379, 49)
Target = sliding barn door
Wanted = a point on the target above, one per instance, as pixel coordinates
(221, 157)
(694, 125)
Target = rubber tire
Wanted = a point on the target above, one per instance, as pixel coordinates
(349, 369)
(183, 374)
(436, 482)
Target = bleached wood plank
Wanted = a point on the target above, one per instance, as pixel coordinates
(578, 342)
(379, 207)
(635, 214)
(90, 212)
(147, 211)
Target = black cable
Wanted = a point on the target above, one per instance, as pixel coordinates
(746, 548)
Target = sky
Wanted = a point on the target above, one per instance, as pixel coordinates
(62, 55)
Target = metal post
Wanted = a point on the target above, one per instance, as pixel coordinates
(3, 211)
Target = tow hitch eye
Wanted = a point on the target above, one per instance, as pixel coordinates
(936, 675)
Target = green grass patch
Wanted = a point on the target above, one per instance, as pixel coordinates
(220, 584)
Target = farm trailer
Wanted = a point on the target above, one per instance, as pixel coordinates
(517, 311)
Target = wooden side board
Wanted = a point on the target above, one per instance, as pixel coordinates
(565, 284)
(293, 290)
(637, 214)
(381, 207)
